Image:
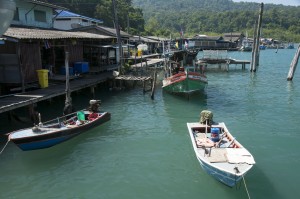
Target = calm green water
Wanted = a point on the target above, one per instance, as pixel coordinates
(145, 151)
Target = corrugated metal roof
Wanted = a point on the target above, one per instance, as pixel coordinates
(231, 38)
(104, 29)
(206, 38)
(68, 14)
(26, 33)
(46, 4)
(233, 34)
(157, 38)
(142, 39)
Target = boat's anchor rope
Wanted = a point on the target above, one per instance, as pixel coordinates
(5, 144)
(246, 188)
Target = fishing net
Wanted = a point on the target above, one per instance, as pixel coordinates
(206, 115)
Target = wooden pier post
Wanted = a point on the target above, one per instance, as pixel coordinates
(153, 84)
(141, 60)
(68, 101)
(93, 91)
(294, 65)
(33, 114)
(114, 84)
(144, 87)
(121, 84)
(117, 27)
(255, 49)
(18, 49)
(68, 94)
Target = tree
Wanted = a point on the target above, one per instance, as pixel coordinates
(102, 9)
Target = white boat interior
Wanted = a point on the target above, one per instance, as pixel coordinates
(226, 154)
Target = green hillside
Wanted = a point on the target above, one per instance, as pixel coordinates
(213, 17)
(219, 16)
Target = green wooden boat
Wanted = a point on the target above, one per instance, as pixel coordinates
(191, 80)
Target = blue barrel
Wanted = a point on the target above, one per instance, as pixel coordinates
(215, 134)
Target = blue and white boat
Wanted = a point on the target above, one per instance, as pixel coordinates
(218, 152)
(56, 131)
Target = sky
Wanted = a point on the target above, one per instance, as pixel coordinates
(283, 2)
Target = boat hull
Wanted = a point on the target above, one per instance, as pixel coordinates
(182, 83)
(28, 145)
(222, 176)
(46, 140)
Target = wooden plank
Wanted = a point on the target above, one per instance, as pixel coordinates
(223, 61)
(149, 62)
(132, 78)
(11, 102)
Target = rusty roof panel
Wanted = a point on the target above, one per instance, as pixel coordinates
(26, 33)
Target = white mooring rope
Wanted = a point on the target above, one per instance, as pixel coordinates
(5, 144)
(246, 188)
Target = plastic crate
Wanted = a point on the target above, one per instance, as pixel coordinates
(81, 67)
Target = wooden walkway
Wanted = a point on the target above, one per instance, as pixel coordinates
(223, 61)
(148, 63)
(211, 57)
(11, 102)
(144, 56)
(227, 61)
(133, 78)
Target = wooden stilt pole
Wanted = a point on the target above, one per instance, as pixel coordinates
(117, 27)
(93, 91)
(33, 114)
(252, 65)
(153, 84)
(68, 101)
(21, 67)
(255, 54)
(121, 84)
(114, 84)
(294, 65)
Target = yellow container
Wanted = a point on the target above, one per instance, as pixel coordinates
(140, 52)
(43, 78)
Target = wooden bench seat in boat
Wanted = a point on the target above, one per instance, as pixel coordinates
(203, 141)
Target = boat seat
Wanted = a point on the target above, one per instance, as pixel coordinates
(204, 142)
(218, 155)
(200, 135)
(239, 155)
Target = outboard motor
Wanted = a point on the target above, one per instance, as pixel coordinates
(94, 105)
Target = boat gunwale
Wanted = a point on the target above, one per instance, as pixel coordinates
(200, 157)
(60, 131)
